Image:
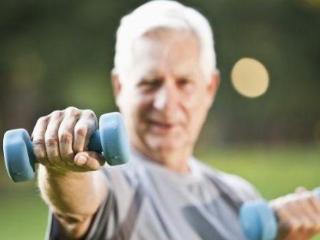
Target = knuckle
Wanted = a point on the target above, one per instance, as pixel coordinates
(90, 114)
(73, 111)
(65, 137)
(39, 148)
(71, 108)
(38, 142)
(56, 113)
(43, 119)
(39, 152)
(81, 130)
(51, 142)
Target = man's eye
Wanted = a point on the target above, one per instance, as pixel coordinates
(151, 84)
(183, 82)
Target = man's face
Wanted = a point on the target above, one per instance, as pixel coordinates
(163, 96)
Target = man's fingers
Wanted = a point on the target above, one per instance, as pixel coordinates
(298, 215)
(38, 139)
(83, 130)
(314, 208)
(287, 223)
(51, 137)
(66, 132)
(89, 161)
(59, 136)
(292, 227)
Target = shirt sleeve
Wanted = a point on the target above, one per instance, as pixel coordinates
(54, 231)
(245, 190)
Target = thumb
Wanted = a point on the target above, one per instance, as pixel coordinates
(89, 161)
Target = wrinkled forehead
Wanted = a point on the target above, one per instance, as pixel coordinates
(166, 50)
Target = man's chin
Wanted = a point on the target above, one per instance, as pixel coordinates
(164, 145)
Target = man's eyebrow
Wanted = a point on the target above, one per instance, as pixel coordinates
(188, 76)
(151, 76)
(152, 79)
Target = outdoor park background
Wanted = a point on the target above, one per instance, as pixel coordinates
(58, 54)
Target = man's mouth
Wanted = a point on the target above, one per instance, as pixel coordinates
(161, 126)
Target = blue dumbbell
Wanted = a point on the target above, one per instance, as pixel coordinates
(259, 221)
(110, 140)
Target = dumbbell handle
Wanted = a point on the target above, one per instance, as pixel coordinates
(259, 221)
(95, 142)
(110, 139)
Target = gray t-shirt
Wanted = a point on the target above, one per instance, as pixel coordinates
(147, 201)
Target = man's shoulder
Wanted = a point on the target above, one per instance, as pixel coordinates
(235, 183)
(125, 174)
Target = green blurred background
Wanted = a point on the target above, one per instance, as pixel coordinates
(57, 54)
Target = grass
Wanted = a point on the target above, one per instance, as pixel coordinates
(23, 215)
(274, 171)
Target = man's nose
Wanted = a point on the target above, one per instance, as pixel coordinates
(166, 99)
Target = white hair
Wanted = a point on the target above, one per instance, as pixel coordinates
(166, 14)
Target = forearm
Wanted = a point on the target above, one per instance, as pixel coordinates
(74, 197)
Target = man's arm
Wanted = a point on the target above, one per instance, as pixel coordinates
(73, 198)
(69, 177)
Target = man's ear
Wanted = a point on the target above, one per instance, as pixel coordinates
(213, 85)
(116, 85)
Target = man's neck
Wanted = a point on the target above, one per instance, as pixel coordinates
(176, 162)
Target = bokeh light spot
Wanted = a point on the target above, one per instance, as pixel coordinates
(250, 77)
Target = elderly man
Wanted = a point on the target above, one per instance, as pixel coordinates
(165, 80)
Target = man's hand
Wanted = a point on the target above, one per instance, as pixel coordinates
(66, 176)
(60, 141)
(298, 215)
